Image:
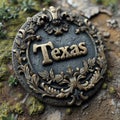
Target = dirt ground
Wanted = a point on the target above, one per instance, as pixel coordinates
(105, 105)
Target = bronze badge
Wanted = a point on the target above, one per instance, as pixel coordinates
(59, 57)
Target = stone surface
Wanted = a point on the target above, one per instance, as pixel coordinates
(54, 116)
(91, 11)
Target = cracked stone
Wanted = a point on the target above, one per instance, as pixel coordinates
(91, 11)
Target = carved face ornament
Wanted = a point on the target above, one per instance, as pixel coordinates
(59, 58)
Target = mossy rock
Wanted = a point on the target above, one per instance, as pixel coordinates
(34, 106)
(112, 90)
(104, 86)
(5, 51)
(19, 95)
(1, 85)
(17, 108)
(109, 74)
(3, 72)
(4, 110)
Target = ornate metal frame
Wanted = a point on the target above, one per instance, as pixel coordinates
(56, 22)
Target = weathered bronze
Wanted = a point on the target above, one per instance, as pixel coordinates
(59, 57)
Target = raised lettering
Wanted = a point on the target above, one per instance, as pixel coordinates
(74, 50)
(46, 59)
(60, 53)
(55, 54)
(65, 53)
(83, 49)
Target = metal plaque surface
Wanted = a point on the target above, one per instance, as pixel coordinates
(59, 57)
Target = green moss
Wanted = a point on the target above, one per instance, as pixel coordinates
(9, 117)
(1, 85)
(17, 108)
(105, 2)
(19, 95)
(2, 1)
(14, 1)
(68, 111)
(28, 6)
(5, 57)
(109, 73)
(12, 81)
(34, 106)
(4, 110)
(109, 2)
(104, 86)
(3, 72)
(112, 90)
(5, 51)
(47, 2)
(11, 27)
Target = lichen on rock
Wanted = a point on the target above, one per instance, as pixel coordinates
(17, 108)
(34, 106)
(3, 72)
(4, 110)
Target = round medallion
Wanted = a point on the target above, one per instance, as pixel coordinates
(59, 57)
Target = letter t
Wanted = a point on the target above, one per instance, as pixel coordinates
(46, 59)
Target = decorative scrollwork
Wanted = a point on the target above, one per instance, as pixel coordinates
(75, 82)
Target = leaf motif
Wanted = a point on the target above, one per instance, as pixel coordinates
(46, 88)
(58, 78)
(17, 54)
(27, 72)
(96, 77)
(83, 96)
(62, 95)
(64, 81)
(76, 74)
(85, 66)
(66, 76)
(44, 75)
(100, 62)
(80, 77)
(70, 70)
(91, 62)
(35, 79)
(82, 71)
(52, 74)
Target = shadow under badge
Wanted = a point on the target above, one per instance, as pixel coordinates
(59, 57)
